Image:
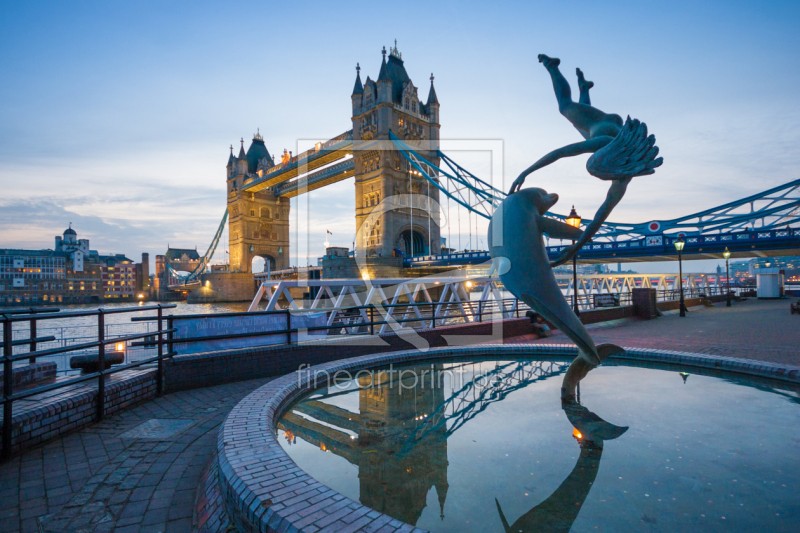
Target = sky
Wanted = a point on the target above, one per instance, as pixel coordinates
(117, 116)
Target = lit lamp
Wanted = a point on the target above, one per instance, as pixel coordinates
(727, 254)
(574, 220)
(679, 244)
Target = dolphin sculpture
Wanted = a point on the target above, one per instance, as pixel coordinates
(516, 243)
(559, 511)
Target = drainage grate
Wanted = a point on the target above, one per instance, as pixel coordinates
(157, 429)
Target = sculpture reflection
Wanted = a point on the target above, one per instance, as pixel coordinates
(559, 511)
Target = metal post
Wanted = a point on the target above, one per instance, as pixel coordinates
(433, 315)
(516, 306)
(288, 327)
(371, 320)
(680, 281)
(7, 382)
(575, 285)
(101, 361)
(160, 371)
(33, 339)
(170, 335)
(728, 283)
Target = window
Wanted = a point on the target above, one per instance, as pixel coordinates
(94, 285)
(414, 106)
(277, 215)
(265, 212)
(252, 212)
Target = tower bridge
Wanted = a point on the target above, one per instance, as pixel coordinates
(392, 149)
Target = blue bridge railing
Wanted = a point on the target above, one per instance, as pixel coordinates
(661, 245)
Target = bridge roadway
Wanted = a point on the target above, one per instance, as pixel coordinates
(322, 154)
(772, 243)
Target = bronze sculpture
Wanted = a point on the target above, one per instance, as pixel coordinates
(621, 151)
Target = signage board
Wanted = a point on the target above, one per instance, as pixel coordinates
(654, 240)
(212, 326)
(606, 300)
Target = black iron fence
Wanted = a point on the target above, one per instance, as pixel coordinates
(31, 317)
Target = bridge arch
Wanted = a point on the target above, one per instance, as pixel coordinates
(409, 237)
(258, 263)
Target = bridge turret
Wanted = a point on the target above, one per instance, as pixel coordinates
(382, 174)
(384, 82)
(241, 160)
(358, 92)
(231, 164)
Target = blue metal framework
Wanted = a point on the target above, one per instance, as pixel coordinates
(194, 275)
(761, 222)
(653, 248)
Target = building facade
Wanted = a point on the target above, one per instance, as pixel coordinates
(396, 208)
(119, 277)
(71, 273)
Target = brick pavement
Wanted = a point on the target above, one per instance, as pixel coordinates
(95, 481)
(751, 329)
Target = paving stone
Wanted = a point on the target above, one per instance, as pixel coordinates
(94, 481)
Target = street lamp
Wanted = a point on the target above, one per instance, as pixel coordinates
(727, 254)
(574, 220)
(679, 244)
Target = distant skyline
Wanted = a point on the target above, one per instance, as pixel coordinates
(118, 117)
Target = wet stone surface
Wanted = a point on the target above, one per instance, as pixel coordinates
(100, 479)
(157, 429)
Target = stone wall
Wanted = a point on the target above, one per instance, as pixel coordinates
(68, 412)
(29, 374)
(224, 287)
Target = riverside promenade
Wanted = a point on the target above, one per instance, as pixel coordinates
(139, 470)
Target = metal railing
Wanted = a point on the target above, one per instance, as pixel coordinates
(352, 321)
(9, 397)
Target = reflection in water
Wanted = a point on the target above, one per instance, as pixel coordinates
(559, 511)
(398, 439)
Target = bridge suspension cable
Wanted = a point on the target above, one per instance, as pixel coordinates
(774, 208)
(204, 262)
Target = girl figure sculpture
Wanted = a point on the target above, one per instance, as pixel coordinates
(621, 150)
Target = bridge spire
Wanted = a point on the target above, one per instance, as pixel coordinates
(432, 94)
(358, 88)
(241, 150)
(384, 73)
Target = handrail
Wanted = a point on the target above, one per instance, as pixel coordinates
(7, 359)
(20, 342)
(72, 314)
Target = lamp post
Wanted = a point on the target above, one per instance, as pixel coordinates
(727, 254)
(679, 244)
(574, 220)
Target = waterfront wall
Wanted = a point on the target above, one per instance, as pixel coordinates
(224, 287)
(76, 408)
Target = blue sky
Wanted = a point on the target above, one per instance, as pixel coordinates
(117, 116)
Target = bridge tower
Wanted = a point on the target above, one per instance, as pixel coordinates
(258, 222)
(393, 203)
